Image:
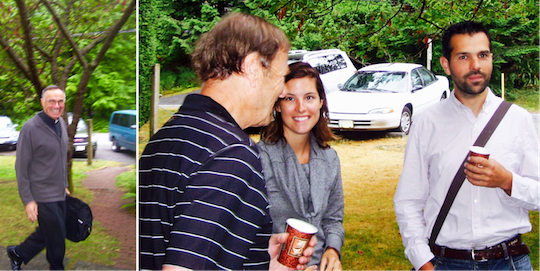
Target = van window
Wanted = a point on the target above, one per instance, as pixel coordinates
(116, 119)
(124, 120)
(131, 120)
(328, 63)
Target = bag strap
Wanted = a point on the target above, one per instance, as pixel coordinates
(460, 175)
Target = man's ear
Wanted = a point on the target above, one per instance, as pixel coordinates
(251, 67)
(445, 64)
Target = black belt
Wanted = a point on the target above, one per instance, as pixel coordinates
(512, 247)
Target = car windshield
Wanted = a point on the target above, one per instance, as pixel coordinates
(81, 125)
(377, 81)
(5, 123)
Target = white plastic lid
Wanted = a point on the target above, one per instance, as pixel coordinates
(302, 226)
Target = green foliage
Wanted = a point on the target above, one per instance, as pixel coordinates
(100, 247)
(182, 78)
(168, 34)
(148, 15)
(369, 31)
(113, 83)
(127, 181)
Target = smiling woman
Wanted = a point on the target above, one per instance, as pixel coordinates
(297, 161)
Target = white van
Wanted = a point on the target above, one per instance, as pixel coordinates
(334, 65)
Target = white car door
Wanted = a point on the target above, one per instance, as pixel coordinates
(420, 95)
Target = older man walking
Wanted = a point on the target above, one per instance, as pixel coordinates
(42, 180)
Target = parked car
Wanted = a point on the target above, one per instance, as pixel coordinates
(334, 66)
(80, 142)
(8, 134)
(385, 96)
(123, 130)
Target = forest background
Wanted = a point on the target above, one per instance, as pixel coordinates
(370, 31)
(70, 44)
(73, 45)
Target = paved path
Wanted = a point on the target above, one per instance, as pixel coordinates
(173, 102)
(106, 209)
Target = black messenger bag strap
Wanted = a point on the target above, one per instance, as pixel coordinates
(460, 175)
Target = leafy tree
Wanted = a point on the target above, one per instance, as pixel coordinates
(48, 42)
(168, 31)
(369, 31)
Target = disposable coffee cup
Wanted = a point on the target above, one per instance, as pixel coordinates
(479, 151)
(300, 232)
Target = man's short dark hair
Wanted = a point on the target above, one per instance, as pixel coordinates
(49, 88)
(467, 27)
(221, 51)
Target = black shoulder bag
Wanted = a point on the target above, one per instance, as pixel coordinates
(460, 175)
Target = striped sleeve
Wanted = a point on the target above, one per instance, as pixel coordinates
(219, 220)
(223, 208)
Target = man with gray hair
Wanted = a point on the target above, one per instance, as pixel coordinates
(40, 166)
(202, 196)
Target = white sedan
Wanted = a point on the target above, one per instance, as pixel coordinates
(385, 96)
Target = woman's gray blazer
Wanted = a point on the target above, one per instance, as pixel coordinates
(285, 178)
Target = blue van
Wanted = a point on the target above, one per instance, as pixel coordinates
(123, 130)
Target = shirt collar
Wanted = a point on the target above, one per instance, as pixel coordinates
(200, 102)
(48, 120)
(490, 100)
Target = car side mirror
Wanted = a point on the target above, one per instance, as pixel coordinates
(340, 86)
(15, 126)
(133, 126)
(417, 88)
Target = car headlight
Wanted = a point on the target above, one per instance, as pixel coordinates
(384, 110)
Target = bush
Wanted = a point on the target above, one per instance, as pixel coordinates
(180, 78)
(127, 181)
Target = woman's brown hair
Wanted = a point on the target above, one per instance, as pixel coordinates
(322, 133)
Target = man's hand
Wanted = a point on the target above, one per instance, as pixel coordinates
(427, 266)
(488, 173)
(274, 246)
(67, 191)
(330, 260)
(32, 211)
(173, 268)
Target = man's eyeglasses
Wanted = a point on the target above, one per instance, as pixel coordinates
(54, 102)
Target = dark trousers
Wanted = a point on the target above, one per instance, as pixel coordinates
(50, 234)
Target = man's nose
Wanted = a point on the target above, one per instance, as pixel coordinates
(475, 63)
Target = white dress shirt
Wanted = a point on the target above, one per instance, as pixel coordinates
(438, 142)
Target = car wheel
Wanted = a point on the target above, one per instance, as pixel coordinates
(405, 124)
(115, 146)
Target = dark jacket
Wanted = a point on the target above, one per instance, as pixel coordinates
(41, 162)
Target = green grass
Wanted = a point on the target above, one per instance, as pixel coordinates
(372, 239)
(526, 98)
(370, 172)
(177, 90)
(100, 247)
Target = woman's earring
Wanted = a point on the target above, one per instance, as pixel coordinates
(274, 115)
